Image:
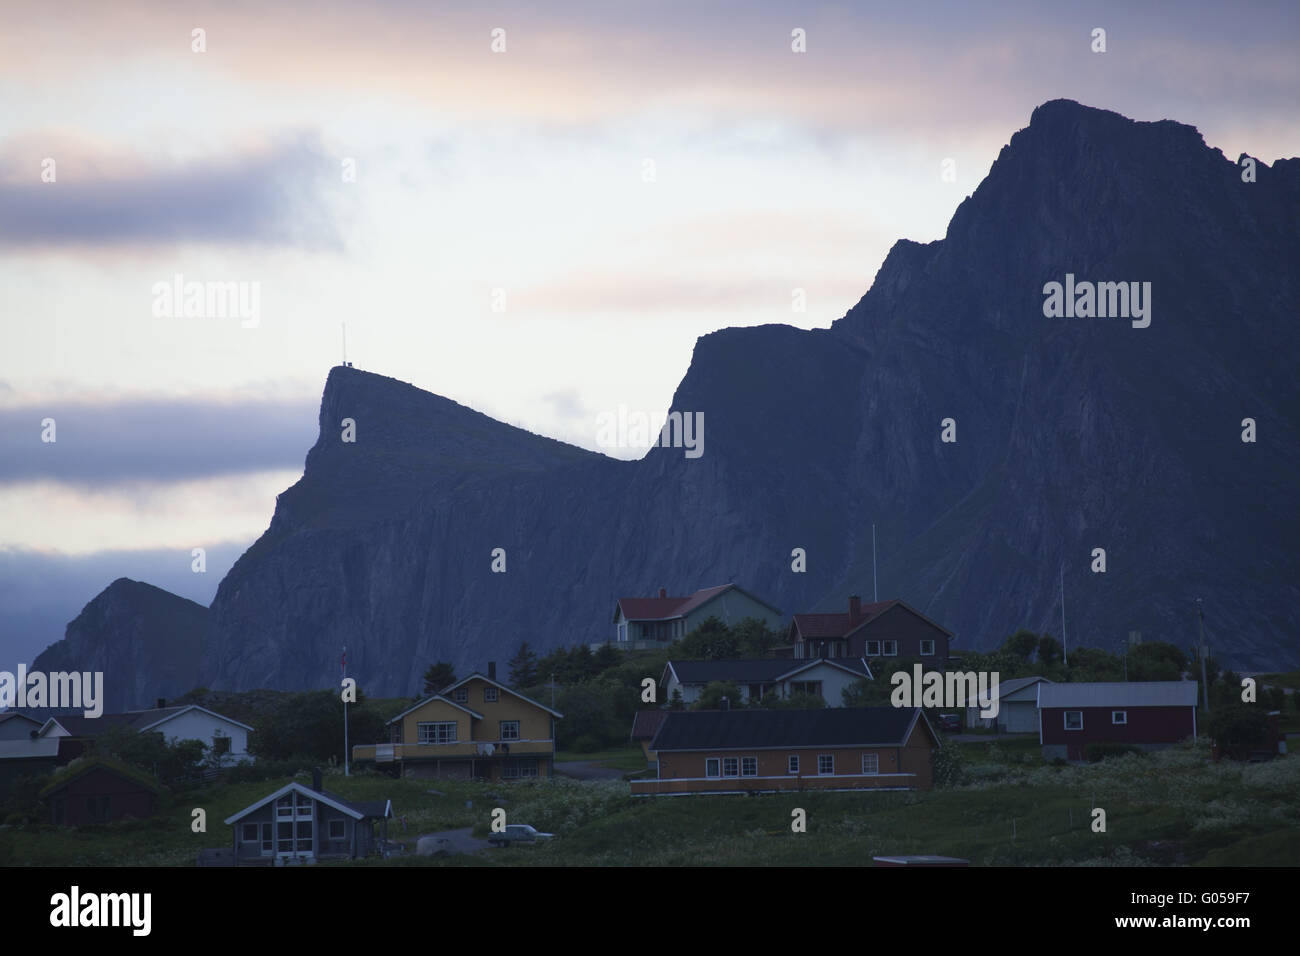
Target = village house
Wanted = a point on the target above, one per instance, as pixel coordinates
(756, 679)
(23, 753)
(1148, 715)
(220, 734)
(1017, 707)
(749, 751)
(94, 790)
(475, 729)
(653, 622)
(301, 824)
(882, 630)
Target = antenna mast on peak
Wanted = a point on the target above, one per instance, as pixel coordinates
(345, 345)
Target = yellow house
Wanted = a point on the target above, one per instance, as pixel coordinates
(476, 729)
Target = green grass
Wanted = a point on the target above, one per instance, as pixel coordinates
(1285, 679)
(1173, 807)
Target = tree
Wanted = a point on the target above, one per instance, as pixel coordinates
(754, 638)
(1049, 650)
(523, 667)
(1238, 729)
(605, 658)
(711, 641)
(676, 702)
(1156, 661)
(711, 696)
(866, 693)
(1091, 664)
(438, 676)
(1021, 645)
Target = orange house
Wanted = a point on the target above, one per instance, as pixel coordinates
(763, 751)
(476, 729)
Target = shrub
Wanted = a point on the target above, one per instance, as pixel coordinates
(949, 768)
(1095, 752)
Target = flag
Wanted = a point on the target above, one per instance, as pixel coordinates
(345, 660)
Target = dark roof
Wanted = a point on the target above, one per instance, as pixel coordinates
(646, 723)
(751, 670)
(759, 729)
(668, 608)
(81, 767)
(841, 625)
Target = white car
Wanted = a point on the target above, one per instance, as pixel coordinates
(515, 833)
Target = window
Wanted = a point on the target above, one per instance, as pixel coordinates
(792, 763)
(267, 845)
(749, 766)
(220, 743)
(711, 767)
(1119, 716)
(730, 767)
(927, 648)
(509, 730)
(811, 687)
(890, 648)
(438, 732)
(251, 833)
(1074, 720)
(825, 763)
(489, 695)
(524, 768)
(872, 649)
(336, 830)
(870, 763)
(460, 695)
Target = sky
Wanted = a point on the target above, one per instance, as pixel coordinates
(533, 209)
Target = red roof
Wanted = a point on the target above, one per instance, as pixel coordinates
(646, 724)
(664, 608)
(838, 625)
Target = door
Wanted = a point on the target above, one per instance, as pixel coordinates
(295, 827)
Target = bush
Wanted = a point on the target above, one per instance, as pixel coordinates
(1096, 752)
(949, 767)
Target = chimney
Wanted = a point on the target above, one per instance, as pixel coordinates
(492, 670)
(663, 592)
(315, 779)
(162, 702)
(855, 607)
(724, 704)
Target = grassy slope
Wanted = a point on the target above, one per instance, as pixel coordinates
(1173, 807)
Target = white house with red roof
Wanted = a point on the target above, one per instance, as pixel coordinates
(641, 623)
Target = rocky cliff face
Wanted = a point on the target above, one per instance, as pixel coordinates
(1072, 434)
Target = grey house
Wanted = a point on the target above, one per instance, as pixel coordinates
(1017, 707)
(300, 824)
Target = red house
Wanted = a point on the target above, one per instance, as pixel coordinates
(1149, 715)
(882, 630)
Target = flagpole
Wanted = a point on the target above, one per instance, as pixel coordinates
(346, 769)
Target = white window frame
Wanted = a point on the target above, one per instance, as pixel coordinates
(825, 773)
(751, 762)
(715, 763)
(868, 652)
(432, 732)
(490, 695)
(1122, 714)
(872, 760)
(1067, 719)
(930, 652)
(733, 763)
(886, 648)
(792, 763)
(505, 724)
(460, 695)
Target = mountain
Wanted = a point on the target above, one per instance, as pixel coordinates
(1072, 434)
(146, 641)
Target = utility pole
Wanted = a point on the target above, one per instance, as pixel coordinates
(875, 591)
(347, 771)
(1202, 652)
(1065, 647)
